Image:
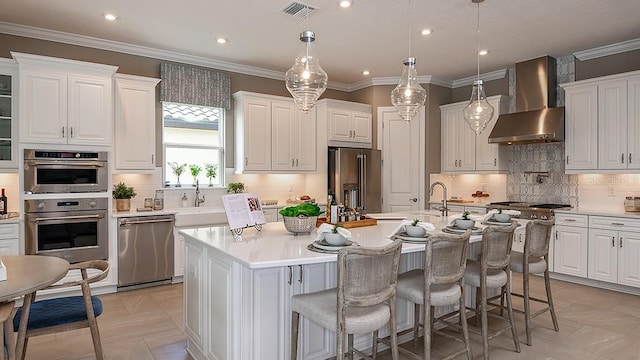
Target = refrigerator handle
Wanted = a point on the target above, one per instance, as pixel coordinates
(362, 181)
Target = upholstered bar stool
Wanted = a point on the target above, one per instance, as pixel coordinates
(363, 302)
(492, 272)
(440, 283)
(535, 260)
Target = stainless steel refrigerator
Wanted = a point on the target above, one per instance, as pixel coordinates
(355, 178)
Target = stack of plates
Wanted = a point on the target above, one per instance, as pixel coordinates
(406, 238)
(456, 230)
(323, 245)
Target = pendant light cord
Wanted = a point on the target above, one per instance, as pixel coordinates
(409, 28)
(478, 50)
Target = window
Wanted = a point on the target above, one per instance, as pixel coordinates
(193, 139)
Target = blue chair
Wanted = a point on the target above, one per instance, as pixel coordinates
(68, 313)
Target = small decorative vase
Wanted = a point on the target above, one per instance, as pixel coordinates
(502, 217)
(178, 183)
(210, 182)
(415, 231)
(334, 239)
(123, 204)
(465, 224)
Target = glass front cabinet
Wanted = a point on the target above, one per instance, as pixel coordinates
(8, 115)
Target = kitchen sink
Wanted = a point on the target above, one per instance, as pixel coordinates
(200, 216)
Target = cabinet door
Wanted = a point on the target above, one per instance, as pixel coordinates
(612, 125)
(633, 123)
(9, 247)
(581, 125)
(194, 288)
(178, 256)
(256, 130)
(340, 126)
(8, 115)
(43, 107)
(487, 155)
(449, 146)
(90, 110)
(570, 251)
(466, 141)
(271, 313)
(219, 308)
(603, 255)
(283, 135)
(628, 255)
(361, 123)
(305, 139)
(135, 123)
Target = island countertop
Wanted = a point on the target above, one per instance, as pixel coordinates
(274, 246)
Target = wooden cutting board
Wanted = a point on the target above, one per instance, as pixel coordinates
(461, 201)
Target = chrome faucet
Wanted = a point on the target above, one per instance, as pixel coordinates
(198, 200)
(443, 209)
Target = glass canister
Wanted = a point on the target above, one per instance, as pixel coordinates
(148, 203)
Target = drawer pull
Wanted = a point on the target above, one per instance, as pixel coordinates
(570, 220)
(621, 242)
(617, 224)
(613, 241)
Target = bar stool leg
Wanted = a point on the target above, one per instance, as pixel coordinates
(547, 285)
(514, 331)
(416, 325)
(527, 303)
(295, 320)
(484, 320)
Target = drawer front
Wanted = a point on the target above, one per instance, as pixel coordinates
(9, 231)
(614, 223)
(572, 220)
(476, 210)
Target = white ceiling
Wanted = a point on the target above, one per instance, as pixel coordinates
(371, 34)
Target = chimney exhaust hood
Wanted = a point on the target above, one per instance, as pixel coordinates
(536, 118)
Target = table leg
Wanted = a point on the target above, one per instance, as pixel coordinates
(22, 329)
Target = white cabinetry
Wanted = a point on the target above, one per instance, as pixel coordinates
(271, 214)
(8, 114)
(571, 244)
(462, 150)
(349, 124)
(65, 101)
(273, 135)
(614, 250)
(603, 123)
(9, 236)
(135, 122)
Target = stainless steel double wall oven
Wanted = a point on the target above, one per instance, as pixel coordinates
(74, 224)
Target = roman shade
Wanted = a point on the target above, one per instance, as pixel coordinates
(196, 86)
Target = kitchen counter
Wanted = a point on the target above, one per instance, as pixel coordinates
(619, 212)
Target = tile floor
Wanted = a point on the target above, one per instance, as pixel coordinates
(595, 324)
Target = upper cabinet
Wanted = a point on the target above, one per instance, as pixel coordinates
(135, 115)
(462, 150)
(65, 101)
(349, 123)
(8, 114)
(272, 135)
(603, 124)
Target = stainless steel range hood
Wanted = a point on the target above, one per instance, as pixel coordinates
(536, 118)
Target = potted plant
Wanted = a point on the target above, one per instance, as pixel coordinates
(334, 237)
(195, 170)
(414, 229)
(123, 194)
(236, 187)
(177, 170)
(465, 222)
(211, 172)
(500, 217)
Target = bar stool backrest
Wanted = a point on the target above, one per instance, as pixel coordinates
(537, 237)
(445, 258)
(496, 246)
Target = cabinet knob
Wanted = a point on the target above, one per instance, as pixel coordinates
(567, 159)
(621, 242)
(613, 241)
(63, 131)
(629, 158)
(414, 199)
(246, 161)
(622, 158)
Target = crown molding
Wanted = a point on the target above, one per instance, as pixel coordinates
(607, 50)
(494, 75)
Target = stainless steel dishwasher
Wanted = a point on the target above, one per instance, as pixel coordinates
(145, 251)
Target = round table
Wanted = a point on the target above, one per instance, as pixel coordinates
(25, 275)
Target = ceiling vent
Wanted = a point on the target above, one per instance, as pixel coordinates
(298, 9)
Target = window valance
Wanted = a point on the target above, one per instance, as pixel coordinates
(196, 86)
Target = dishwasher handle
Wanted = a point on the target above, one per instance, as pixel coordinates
(152, 221)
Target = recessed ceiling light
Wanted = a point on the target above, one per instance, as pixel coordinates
(483, 52)
(426, 32)
(221, 40)
(344, 3)
(365, 72)
(110, 17)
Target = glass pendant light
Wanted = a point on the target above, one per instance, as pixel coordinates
(408, 96)
(479, 112)
(306, 80)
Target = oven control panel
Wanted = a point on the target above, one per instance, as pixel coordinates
(57, 205)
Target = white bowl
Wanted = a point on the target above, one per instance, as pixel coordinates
(415, 231)
(502, 217)
(335, 239)
(465, 224)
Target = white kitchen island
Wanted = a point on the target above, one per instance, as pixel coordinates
(238, 289)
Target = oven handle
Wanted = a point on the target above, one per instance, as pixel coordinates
(129, 222)
(83, 163)
(97, 216)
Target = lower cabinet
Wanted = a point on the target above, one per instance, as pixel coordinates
(9, 239)
(570, 244)
(613, 252)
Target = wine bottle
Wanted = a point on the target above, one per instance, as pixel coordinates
(3, 203)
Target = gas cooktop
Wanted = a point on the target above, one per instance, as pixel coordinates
(521, 205)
